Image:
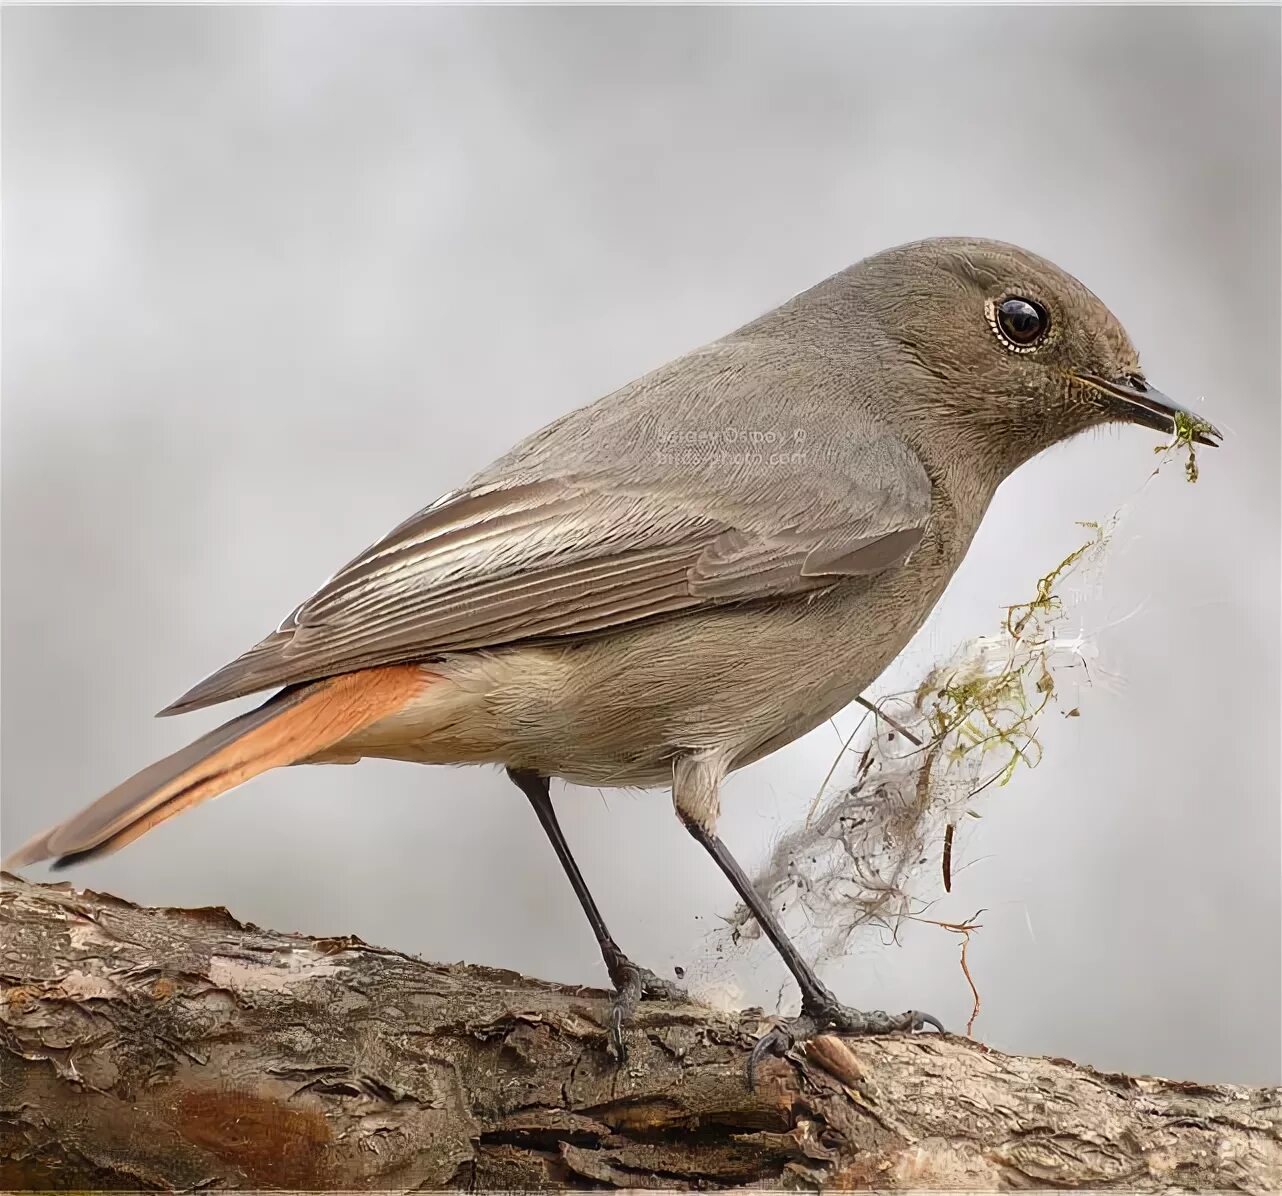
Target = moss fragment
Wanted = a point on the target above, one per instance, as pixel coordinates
(993, 703)
(1187, 427)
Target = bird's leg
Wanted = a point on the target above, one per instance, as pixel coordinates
(631, 983)
(820, 1009)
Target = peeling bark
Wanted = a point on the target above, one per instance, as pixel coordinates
(166, 1048)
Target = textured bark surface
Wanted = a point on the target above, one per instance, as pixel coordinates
(163, 1048)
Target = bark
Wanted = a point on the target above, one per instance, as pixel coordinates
(165, 1048)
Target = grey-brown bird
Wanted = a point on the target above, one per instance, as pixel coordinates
(676, 580)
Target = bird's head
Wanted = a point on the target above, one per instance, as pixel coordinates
(1010, 354)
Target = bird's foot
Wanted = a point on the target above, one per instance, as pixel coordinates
(827, 1013)
(632, 985)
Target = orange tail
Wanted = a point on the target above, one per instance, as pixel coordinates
(292, 725)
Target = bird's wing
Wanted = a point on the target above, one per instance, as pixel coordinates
(535, 550)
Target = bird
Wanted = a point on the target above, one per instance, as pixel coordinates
(676, 580)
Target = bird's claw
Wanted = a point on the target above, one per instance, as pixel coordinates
(632, 985)
(778, 1040)
(829, 1014)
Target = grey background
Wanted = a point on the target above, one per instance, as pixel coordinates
(275, 278)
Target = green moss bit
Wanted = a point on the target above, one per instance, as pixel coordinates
(990, 713)
(1186, 428)
(1047, 603)
(1000, 711)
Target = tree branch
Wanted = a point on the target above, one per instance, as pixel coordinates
(166, 1048)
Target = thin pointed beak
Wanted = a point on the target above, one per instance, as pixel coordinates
(1136, 402)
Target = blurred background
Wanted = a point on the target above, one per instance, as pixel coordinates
(275, 278)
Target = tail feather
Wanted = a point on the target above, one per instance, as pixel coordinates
(291, 726)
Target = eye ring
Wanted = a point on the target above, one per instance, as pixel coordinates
(1021, 324)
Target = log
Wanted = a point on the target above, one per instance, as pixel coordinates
(180, 1048)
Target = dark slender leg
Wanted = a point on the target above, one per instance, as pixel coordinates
(631, 983)
(819, 1008)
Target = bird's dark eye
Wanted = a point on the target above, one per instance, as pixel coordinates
(1021, 322)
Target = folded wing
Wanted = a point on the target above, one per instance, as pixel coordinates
(535, 552)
